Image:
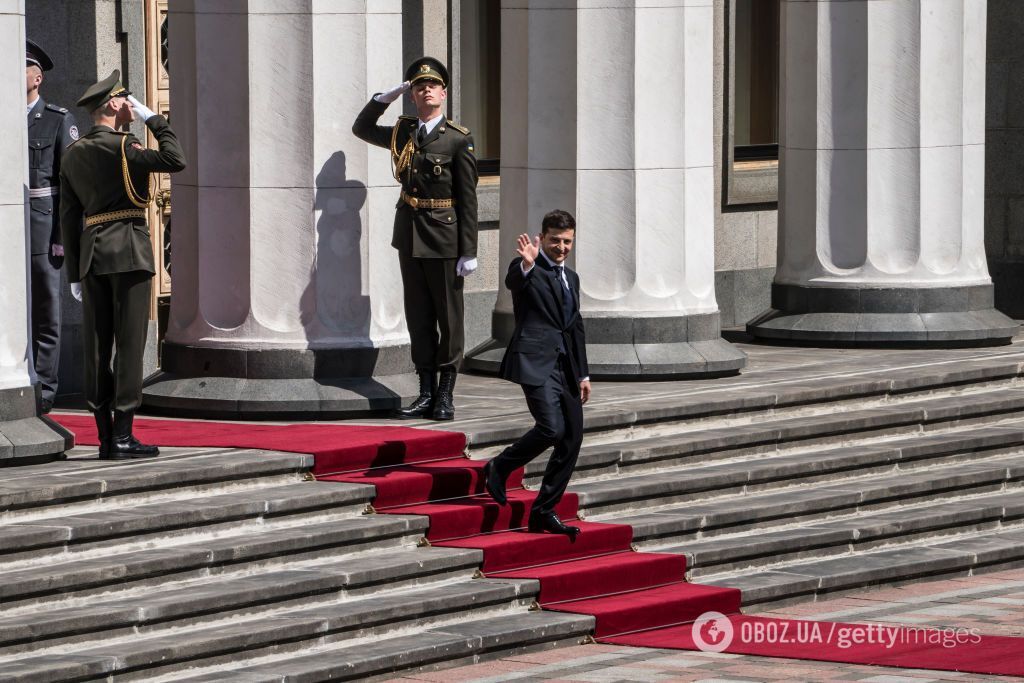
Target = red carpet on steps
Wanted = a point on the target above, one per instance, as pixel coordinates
(639, 599)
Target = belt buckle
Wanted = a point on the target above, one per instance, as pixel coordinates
(414, 202)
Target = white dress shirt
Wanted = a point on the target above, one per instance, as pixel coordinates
(429, 125)
(30, 105)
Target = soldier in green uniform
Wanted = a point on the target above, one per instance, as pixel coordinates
(104, 192)
(435, 229)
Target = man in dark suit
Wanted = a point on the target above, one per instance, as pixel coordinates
(105, 185)
(435, 230)
(547, 356)
(50, 130)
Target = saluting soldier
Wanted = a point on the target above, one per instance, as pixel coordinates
(50, 130)
(435, 229)
(105, 182)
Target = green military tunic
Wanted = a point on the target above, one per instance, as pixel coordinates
(105, 176)
(435, 225)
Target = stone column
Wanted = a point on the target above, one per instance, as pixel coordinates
(882, 160)
(286, 291)
(24, 436)
(607, 112)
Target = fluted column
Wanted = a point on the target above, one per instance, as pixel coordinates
(882, 176)
(607, 112)
(286, 292)
(23, 435)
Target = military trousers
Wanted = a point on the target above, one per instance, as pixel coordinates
(433, 311)
(46, 321)
(115, 319)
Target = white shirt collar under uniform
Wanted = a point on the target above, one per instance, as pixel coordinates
(30, 105)
(431, 124)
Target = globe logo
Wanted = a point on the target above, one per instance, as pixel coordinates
(712, 632)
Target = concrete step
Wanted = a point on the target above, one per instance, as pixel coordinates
(627, 452)
(823, 578)
(313, 605)
(848, 534)
(182, 518)
(442, 647)
(844, 463)
(762, 511)
(773, 392)
(239, 554)
(83, 485)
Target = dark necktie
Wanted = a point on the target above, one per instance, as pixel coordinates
(566, 294)
(421, 135)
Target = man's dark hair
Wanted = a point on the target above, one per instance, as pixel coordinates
(558, 220)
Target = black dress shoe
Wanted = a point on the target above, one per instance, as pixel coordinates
(494, 484)
(124, 443)
(551, 523)
(46, 406)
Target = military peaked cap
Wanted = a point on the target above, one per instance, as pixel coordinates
(427, 68)
(37, 56)
(99, 94)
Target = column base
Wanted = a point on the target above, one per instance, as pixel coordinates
(291, 384)
(27, 438)
(652, 348)
(937, 317)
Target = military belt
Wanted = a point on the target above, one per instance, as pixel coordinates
(36, 192)
(114, 216)
(424, 203)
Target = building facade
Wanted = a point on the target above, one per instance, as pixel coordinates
(661, 125)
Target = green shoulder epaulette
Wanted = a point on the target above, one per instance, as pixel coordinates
(407, 118)
(461, 129)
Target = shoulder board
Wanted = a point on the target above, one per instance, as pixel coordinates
(407, 118)
(54, 107)
(461, 129)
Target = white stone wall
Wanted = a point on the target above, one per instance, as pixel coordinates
(283, 218)
(882, 149)
(15, 365)
(585, 90)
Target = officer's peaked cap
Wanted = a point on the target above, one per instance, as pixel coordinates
(37, 56)
(99, 94)
(427, 68)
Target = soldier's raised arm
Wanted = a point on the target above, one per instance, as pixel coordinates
(366, 128)
(168, 158)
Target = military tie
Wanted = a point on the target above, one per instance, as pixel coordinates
(421, 135)
(566, 294)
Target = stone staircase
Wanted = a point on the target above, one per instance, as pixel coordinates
(234, 566)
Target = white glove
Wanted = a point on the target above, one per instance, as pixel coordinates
(389, 96)
(465, 266)
(144, 113)
(76, 291)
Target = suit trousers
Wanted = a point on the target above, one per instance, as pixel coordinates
(433, 311)
(115, 318)
(46, 321)
(558, 413)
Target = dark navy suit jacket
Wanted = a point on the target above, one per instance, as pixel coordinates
(541, 332)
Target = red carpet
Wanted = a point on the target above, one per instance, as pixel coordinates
(338, 448)
(639, 599)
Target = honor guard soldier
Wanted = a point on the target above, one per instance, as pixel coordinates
(50, 130)
(105, 181)
(435, 229)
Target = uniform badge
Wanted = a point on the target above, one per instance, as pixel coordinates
(73, 132)
(437, 170)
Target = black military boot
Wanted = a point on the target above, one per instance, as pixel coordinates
(105, 431)
(423, 405)
(444, 406)
(124, 442)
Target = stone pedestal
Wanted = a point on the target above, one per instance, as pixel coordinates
(882, 162)
(607, 113)
(287, 294)
(24, 435)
